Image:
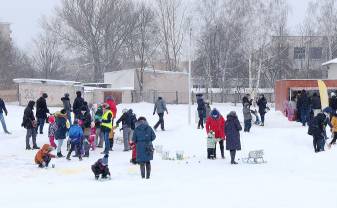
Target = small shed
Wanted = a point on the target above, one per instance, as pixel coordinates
(172, 86)
(32, 89)
(285, 89)
(332, 68)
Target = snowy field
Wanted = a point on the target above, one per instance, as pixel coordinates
(293, 177)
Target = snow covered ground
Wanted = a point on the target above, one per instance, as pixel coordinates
(293, 177)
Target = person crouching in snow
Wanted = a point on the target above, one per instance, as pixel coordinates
(211, 142)
(51, 130)
(101, 168)
(43, 156)
(233, 128)
(76, 140)
(143, 137)
(216, 123)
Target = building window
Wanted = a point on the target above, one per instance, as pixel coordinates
(299, 53)
(284, 52)
(316, 53)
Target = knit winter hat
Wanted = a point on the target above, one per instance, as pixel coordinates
(44, 95)
(215, 113)
(105, 160)
(51, 119)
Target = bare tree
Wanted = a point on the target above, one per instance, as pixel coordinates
(144, 40)
(96, 28)
(171, 17)
(48, 54)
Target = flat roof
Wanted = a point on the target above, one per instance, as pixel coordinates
(333, 61)
(151, 70)
(45, 81)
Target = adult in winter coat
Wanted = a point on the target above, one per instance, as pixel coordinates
(247, 99)
(29, 123)
(143, 138)
(233, 129)
(207, 111)
(113, 107)
(85, 117)
(41, 111)
(62, 129)
(201, 110)
(106, 127)
(216, 123)
(2, 118)
(78, 103)
(67, 106)
(316, 104)
(304, 103)
(317, 129)
(98, 122)
(128, 120)
(247, 117)
(262, 103)
(160, 108)
(333, 101)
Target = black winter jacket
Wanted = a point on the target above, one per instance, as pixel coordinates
(66, 103)
(316, 102)
(3, 107)
(28, 116)
(78, 103)
(41, 108)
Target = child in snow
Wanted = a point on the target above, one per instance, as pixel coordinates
(51, 130)
(43, 156)
(133, 153)
(92, 137)
(101, 168)
(211, 141)
(76, 140)
(257, 117)
(333, 129)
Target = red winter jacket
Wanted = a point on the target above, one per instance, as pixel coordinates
(217, 126)
(113, 107)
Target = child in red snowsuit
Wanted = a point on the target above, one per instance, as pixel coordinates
(51, 131)
(133, 153)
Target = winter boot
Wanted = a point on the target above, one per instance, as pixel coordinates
(59, 154)
(28, 148)
(36, 147)
(142, 170)
(148, 170)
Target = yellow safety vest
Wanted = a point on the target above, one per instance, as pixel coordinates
(105, 117)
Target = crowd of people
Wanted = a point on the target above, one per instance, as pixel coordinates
(92, 127)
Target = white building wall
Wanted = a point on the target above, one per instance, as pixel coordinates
(332, 71)
(30, 91)
(124, 79)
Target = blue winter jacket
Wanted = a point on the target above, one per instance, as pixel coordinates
(75, 134)
(143, 137)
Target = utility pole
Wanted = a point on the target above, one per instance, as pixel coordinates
(189, 78)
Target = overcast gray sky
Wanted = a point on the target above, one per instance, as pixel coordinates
(25, 15)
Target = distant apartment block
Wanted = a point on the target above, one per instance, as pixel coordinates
(5, 31)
